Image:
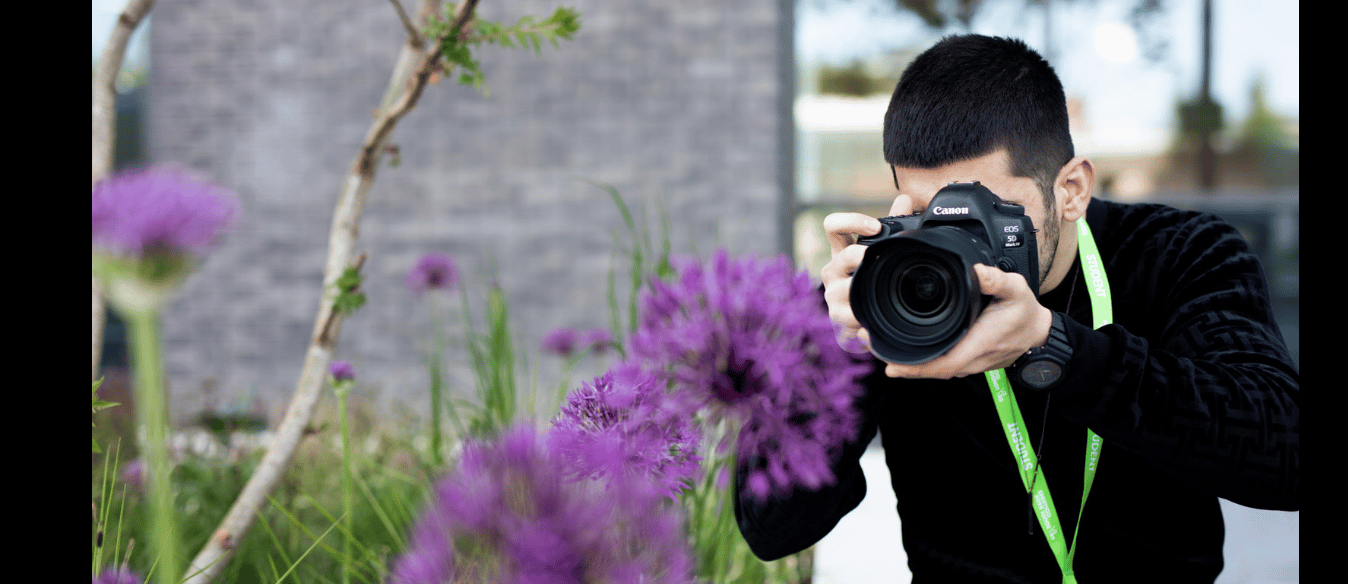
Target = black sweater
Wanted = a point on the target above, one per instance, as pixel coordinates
(1191, 389)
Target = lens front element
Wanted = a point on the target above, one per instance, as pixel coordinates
(917, 294)
(923, 289)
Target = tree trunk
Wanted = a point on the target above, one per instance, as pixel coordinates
(105, 124)
(416, 63)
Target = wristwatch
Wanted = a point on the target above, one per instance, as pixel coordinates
(1043, 368)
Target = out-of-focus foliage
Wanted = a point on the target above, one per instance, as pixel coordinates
(527, 32)
(855, 80)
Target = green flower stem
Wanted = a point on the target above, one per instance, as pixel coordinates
(152, 410)
(342, 389)
(567, 368)
(436, 381)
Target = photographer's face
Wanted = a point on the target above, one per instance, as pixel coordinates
(993, 170)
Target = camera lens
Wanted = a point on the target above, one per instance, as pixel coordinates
(922, 289)
(916, 293)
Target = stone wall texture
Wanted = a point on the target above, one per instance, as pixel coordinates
(677, 105)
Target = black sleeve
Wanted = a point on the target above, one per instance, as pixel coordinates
(1204, 388)
(783, 526)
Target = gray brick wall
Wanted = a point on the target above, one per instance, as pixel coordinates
(675, 104)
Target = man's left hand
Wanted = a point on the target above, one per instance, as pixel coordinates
(1013, 323)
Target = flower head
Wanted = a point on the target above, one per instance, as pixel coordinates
(617, 426)
(598, 339)
(121, 575)
(751, 340)
(566, 341)
(149, 227)
(342, 371)
(434, 271)
(159, 210)
(510, 514)
(561, 341)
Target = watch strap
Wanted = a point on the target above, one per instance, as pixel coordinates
(1057, 350)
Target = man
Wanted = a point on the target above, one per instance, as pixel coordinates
(1190, 389)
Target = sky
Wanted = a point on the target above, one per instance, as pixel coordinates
(1129, 102)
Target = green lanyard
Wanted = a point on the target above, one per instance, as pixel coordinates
(1014, 425)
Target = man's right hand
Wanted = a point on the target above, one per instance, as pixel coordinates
(842, 230)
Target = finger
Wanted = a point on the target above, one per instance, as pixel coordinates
(843, 264)
(854, 342)
(994, 282)
(859, 343)
(939, 368)
(903, 205)
(840, 312)
(843, 318)
(842, 229)
(849, 334)
(912, 372)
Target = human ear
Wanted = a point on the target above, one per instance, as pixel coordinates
(1073, 187)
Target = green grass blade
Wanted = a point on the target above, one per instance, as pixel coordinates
(340, 524)
(276, 545)
(275, 542)
(380, 512)
(305, 554)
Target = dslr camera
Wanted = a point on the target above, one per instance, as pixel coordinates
(916, 292)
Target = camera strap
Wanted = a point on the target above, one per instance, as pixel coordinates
(1031, 474)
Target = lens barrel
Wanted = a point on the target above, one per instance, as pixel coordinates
(916, 293)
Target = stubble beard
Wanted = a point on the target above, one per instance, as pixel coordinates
(1048, 245)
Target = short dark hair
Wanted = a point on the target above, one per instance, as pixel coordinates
(969, 95)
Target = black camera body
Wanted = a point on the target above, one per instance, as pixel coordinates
(916, 292)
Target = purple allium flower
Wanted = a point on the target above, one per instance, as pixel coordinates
(342, 371)
(510, 514)
(159, 209)
(434, 271)
(121, 575)
(752, 340)
(561, 341)
(566, 341)
(597, 339)
(617, 426)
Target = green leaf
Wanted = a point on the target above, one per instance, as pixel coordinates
(99, 405)
(349, 297)
(455, 49)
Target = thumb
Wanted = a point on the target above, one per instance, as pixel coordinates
(993, 281)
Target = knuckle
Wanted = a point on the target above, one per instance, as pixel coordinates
(829, 272)
(837, 288)
(842, 316)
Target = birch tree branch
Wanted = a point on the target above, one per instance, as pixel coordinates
(413, 35)
(105, 79)
(415, 65)
(105, 123)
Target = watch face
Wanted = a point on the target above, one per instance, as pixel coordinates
(1040, 374)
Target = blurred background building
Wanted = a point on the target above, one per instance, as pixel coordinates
(682, 108)
(736, 124)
